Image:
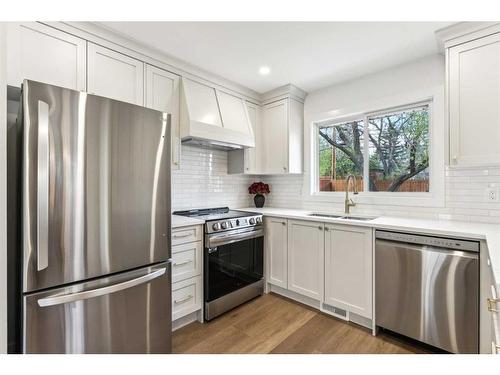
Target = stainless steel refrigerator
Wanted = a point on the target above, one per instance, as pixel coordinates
(96, 224)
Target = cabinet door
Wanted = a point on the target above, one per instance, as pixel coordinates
(114, 75)
(162, 94)
(275, 126)
(276, 251)
(41, 53)
(348, 268)
(252, 155)
(305, 258)
(474, 102)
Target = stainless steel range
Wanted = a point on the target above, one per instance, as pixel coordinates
(233, 257)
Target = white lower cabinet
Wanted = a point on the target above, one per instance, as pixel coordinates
(305, 258)
(330, 264)
(276, 238)
(186, 297)
(348, 268)
(187, 258)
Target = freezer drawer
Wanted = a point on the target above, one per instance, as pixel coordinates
(125, 313)
(429, 294)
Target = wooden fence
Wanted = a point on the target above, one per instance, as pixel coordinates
(327, 184)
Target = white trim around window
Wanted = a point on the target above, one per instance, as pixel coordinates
(434, 198)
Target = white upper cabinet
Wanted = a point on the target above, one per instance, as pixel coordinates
(278, 130)
(249, 160)
(115, 75)
(162, 94)
(275, 146)
(305, 258)
(474, 101)
(348, 268)
(41, 53)
(276, 249)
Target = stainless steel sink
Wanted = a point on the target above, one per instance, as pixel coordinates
(326, 215)
(361, 218)
(344, 217)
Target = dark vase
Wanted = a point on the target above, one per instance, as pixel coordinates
(259, 200)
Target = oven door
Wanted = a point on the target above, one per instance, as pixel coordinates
(232, 261)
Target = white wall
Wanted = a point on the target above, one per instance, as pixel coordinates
(203, 181)
(3, 192)
(463, 189)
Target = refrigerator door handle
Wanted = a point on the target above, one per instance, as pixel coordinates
(43, 181)
(92, 293)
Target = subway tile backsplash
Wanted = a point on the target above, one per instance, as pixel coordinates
(203, 181)
(465, 197)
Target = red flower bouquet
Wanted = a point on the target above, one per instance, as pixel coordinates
(259, 189)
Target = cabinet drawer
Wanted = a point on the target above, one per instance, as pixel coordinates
(186, 297)
(186, 261)
(186, 234)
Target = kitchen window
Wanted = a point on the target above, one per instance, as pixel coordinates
(387, 151)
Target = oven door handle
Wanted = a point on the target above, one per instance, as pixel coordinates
(225, 239)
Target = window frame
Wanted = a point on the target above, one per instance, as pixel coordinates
(434, 197)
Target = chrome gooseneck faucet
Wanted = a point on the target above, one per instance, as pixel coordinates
(348, 203)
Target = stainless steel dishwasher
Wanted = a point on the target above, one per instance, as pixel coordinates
(427, 288)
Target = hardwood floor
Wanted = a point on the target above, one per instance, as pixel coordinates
(274, 324)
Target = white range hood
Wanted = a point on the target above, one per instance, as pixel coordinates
(213, 117)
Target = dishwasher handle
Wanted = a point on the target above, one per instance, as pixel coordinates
(424, 248)
(431, 241)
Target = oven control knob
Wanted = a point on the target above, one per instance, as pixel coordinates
(216, 226)
(252, 221)
(258, 220)
(237, 222)
(224, 225)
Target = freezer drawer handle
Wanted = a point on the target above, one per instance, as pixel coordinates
(66, 298)
(43, 180)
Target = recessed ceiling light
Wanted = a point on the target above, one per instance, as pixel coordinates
(264, 70)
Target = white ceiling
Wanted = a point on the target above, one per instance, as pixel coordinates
(310, 55)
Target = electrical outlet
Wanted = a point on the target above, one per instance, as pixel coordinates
(492, 194)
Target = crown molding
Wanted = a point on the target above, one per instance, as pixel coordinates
(462, 32)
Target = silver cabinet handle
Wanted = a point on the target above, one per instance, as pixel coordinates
(66, 298)
(491, 304)
(182, 235)
(283, 223)
(326, 229)
(182, 263)
(187, 298)
(43, 181)
(320, 227)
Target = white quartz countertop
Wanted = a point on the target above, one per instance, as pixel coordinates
(183, 221)
(477, 231)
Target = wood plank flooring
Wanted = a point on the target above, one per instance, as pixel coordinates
(274, 324)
